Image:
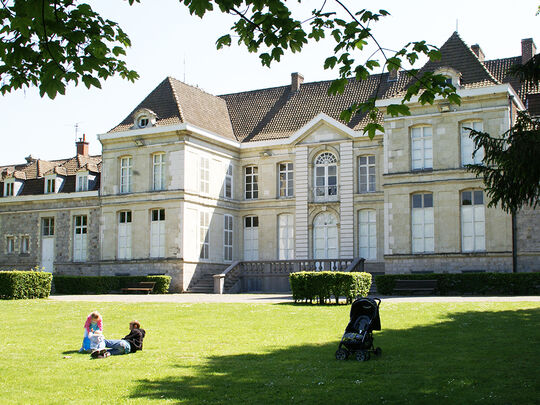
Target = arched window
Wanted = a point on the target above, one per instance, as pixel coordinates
(325, 175)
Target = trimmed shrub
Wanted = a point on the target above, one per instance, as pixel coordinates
(106, 284)
(24, 284)
(322, 285)
(469, 283)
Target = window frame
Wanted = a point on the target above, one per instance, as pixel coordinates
(82, 177)
(124, 250)
(428, 213)
(158, 179)
(326, 190)
(469, 143)
(370, 187)
(285, 184)
(289, 250)
(157, 226)
(421, 139)
(10, 244)
(24, 244)
(126, 174)
(204, 235)
(9, 187)
(80, 252)
(371, 225)
(228, 181)
(228, 236)
(50, 185)
(477, 245)
(47, 223)
(204, 175)
(253, 193)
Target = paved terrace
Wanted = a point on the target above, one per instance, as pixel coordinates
(265, 298)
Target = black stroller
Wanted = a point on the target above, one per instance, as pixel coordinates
(358, 337)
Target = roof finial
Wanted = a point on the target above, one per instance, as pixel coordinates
(457, 23)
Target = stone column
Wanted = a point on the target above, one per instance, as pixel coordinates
(301, 171)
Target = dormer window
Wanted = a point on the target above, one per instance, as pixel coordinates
(50, 184)
(82, 181)
(452, 76)
(144, 118)
(9, 185)
(143, 122)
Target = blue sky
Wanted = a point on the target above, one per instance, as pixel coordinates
(167, 41)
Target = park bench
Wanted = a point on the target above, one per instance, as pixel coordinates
(142, 286)
(411, 286)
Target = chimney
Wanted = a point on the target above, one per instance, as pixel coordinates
(478, 52)
(393, 75)
(528, 50)
(82, 146)
(296, 80)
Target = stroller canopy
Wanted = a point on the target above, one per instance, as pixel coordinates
(366, 307)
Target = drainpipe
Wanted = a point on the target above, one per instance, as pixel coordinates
(514, 222)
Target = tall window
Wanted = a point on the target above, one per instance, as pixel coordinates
(366, 174)
(9, 187)
(251, 238)
(326, 175)
(228, 185)
(252, 182)
(286, 180)
(157, 233)
(10, 244)
(125, 175)
(285, 237)
(227, 237)
(47, 226)
(473, 228)
(367, 234)
(124, 235)
(50, 185)
(467, 143)
(25, 244)
(204, 245)
(80, 234)
(422, 147)
(158, 172)
(422, 223)
(204, 175)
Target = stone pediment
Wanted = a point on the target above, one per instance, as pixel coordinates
(322, 129)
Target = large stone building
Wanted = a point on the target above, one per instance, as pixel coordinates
(268, 181)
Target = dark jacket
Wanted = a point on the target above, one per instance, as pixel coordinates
(135, 339)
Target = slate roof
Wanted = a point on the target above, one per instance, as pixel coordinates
(175, 102)
(278, 112)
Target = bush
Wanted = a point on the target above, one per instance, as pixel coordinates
(469, 283)
(106, 284)
(24, 284)
(321, 285)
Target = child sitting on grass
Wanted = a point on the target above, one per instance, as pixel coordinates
(93, 333)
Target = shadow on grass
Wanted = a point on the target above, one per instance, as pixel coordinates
(486, 357)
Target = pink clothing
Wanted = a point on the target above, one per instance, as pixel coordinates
(89, 321)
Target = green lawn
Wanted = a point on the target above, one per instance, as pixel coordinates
(444, 353)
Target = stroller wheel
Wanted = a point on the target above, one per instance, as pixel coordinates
(362, 356)
(378, 351)
(342, 354)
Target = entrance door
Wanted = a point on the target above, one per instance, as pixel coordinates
(325, 237)
(251, 238)
(47, 244)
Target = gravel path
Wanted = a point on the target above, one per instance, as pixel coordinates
(263, 298)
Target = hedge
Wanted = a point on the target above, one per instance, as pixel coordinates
(106, 284)
(469, 283)
(24, 284)
(321, 285)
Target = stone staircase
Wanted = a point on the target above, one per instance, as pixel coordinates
(203, 285)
